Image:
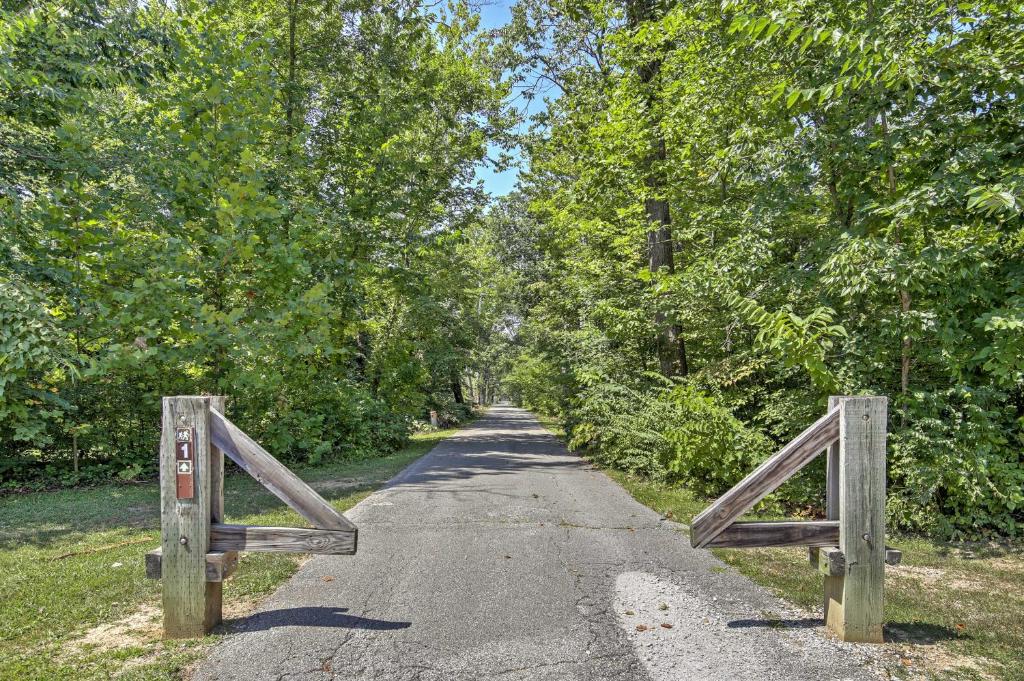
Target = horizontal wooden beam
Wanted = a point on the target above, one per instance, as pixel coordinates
(219, 564)
(773, 472)
(282, 539)
(274, 475)
(778, 533)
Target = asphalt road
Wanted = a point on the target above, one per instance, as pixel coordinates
(499, 555)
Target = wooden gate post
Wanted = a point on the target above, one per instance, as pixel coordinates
(855, 492)
(191, 476)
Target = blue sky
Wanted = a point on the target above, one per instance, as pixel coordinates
(494, 14)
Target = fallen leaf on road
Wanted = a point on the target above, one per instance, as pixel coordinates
(663, 606)
(641, 627)
(327, 578)
(666, 625)
(630, 613)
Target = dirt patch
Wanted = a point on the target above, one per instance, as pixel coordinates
(925, 574)
(936, 578)
(968, 585)
(138, 628)
(1009, 564)
(928, 660)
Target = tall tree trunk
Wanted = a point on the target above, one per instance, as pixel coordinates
(904, 295)
(291, 106)
(906, 346)
(671, 346)
(362, 356)
(457, 390)
(293, 10)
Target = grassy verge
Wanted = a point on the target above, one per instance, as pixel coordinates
(952, 610)
(75, 601)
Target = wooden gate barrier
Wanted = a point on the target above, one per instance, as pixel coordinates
(197, 549)
(848, 547)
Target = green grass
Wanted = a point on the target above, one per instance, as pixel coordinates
(955, 609)
(74, 600)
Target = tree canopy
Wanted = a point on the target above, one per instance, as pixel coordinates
(728, 211)
(264, 200)
(740, 208)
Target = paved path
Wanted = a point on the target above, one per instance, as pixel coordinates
(501, 556)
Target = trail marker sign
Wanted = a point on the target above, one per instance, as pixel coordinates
(184, 456)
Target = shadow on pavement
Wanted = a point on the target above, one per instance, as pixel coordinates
(773, 623)
(311, 617)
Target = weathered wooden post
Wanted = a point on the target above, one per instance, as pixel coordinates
(191, 495)
(855, 496)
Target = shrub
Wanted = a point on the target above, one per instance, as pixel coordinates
(676, 433)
